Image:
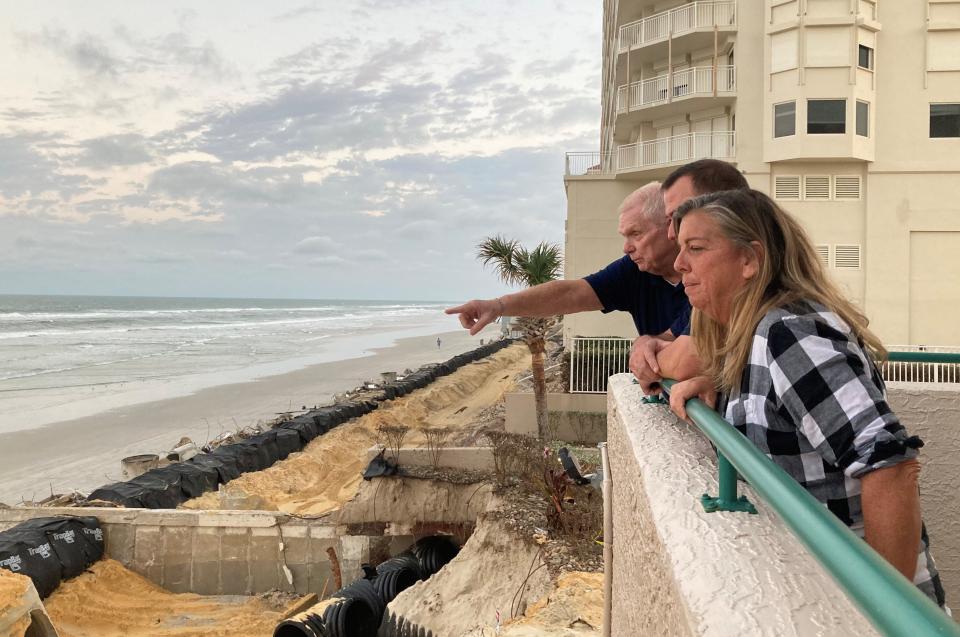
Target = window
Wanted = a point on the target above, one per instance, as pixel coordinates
(784, 119)
(826, 117)
(945, 120)
(863, 119)
(865, 57)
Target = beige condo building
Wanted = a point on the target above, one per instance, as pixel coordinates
(847, 112)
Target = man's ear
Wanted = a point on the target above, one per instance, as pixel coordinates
(753, 258)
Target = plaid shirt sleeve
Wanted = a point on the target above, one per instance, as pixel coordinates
(823, 379)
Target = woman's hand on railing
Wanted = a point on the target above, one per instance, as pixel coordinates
(701, 387)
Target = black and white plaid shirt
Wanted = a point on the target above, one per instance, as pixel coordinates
(812, 400)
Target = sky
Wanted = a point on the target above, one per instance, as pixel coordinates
(328, 149)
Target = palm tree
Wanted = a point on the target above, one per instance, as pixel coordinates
(515, 265)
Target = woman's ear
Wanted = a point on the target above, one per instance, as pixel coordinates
(753, 257)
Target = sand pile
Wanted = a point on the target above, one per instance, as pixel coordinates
(496, 572)
(13, 587)
(112, 601)
(327, 472)
(574, 607)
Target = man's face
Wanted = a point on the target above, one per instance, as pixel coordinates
(646, 243)
(680, 191)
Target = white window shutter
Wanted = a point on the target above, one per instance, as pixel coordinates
(846, 257)
(847, 187)
(786, 187)
(816, 187)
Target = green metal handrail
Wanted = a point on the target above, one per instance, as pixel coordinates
(923, 357)
(892, 604)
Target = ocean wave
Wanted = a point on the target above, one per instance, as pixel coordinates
(133, 314)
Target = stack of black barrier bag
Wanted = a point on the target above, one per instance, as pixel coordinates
(170, 486)
(50, 550)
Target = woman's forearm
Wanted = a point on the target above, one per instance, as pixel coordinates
(891, 514)
(679, 360)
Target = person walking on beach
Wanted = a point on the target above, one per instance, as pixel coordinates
(438, 342)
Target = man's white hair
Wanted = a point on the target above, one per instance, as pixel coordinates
(648, 201)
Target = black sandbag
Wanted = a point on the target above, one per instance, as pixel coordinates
(29, 552)
(226, 467)
(389, 392)
(245, 458)
(306, 430)
(323, 419)
(160, 489)
(77, 542)
(288, 442)
(122, 493)
(267, 444)
(196, 479)
(342, 413)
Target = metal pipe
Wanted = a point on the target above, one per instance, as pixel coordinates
(607, 541)
(893, 605)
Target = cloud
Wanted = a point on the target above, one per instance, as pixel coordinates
(114, 150)
(314, 245)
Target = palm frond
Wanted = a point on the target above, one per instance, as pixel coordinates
(502, 253)
(543, 263)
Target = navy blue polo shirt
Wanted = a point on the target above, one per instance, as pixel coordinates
(654, 303)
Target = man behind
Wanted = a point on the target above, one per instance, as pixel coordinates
(653, 357)
(642, 282)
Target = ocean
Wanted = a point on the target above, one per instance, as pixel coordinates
(80, 355)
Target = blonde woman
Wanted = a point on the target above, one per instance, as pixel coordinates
(792, 361)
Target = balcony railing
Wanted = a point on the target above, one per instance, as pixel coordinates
(590, 163)
(922, 364)
(678, 148)
(683, 19)
(593, 360)
(697, 81)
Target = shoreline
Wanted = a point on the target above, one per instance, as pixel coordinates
(84, 453)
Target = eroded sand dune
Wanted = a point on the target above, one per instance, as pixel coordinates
(112, 601)
(327, 472)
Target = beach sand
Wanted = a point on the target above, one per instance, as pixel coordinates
(112, 601)
(85, 453)
(327, 473)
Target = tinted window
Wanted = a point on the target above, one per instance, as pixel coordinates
(865, 57)
(863, 119)
(826, 117)
(945, 120)
(784, 119)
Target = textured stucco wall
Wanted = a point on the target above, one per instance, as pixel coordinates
(678, 570)
(933, 413)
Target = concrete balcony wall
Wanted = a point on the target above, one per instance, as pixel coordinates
(933, 413)
(577, 417)
(678, 570)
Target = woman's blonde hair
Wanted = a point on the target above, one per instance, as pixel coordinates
(789, 271)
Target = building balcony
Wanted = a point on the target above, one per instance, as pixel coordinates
(698, 83)
(689, 18)
(677, 149)
(656, 153)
